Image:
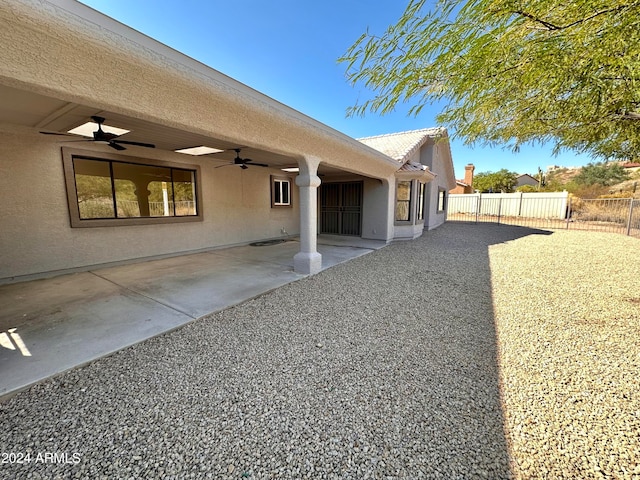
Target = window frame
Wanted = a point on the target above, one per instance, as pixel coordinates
(442, 196)
(420, 201)
(280, 179)
(68, 154)
(409, 203)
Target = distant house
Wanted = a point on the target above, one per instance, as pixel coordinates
(525, 179)
(466, 185)
(201, 161)
(631, 166)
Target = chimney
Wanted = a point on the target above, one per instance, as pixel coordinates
(468, 174)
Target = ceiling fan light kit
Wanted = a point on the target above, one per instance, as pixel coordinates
(243, 163)
(107, 138)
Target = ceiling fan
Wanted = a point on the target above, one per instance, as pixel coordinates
(109, 138)
(244, 163)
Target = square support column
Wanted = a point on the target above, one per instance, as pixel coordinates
(308, 261)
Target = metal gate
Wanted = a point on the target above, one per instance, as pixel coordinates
(341, 208)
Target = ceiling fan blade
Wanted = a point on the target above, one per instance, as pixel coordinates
(113, 144)
(225, 165)
(139, 144)
(58, 133)
(258, 164)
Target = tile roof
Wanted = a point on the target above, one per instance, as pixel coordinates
(400, 146)
(413, 167)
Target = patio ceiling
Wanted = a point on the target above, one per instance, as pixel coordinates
(43, 113)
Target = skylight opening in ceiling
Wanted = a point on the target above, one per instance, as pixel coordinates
(201, 150)
(88, 128)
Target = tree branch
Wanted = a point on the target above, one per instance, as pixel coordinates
(547, 25)
(551, 26)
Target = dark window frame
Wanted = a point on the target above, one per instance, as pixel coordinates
(442, 199)
(280, 179)
(68, 155)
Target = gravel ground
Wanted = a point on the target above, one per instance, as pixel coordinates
(567, 310)
(476, 351)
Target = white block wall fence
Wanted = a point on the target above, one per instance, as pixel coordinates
(552, 205)
(547, 210)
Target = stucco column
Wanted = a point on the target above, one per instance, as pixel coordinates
(308, 260)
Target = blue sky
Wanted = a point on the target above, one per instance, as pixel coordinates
(288, 50)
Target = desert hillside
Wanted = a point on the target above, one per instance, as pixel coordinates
(565, 175)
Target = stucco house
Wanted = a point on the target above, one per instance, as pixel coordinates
(169, 156)
(427, 150)
(526, 179)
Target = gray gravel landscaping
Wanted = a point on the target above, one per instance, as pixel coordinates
(476, 351)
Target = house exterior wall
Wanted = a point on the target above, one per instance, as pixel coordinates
(377, 209)
(433, 156)
(460, 189)
(36, 236)
(408, 230)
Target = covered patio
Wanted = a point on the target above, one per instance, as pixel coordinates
(50, 325)
(177, 105)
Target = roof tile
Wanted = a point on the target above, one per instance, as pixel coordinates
(400, 146)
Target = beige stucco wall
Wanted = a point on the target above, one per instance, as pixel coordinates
(435, 156)
(378, 209)
(36, 236)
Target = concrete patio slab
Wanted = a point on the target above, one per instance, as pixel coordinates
(50, 325)
(200, 283)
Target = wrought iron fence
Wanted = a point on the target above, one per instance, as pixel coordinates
(550, 211)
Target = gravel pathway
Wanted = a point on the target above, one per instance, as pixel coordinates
(392, 365)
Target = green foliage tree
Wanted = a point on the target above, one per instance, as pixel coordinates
(510, 72)
(528, 189)
(501, 181)
(604, 174)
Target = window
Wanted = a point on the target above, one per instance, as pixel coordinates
(442, 199)
(403, 201)
(420, 205)
(280, 191)
(118, 190)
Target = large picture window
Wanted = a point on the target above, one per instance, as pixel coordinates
(403, 201)
(117, 190)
